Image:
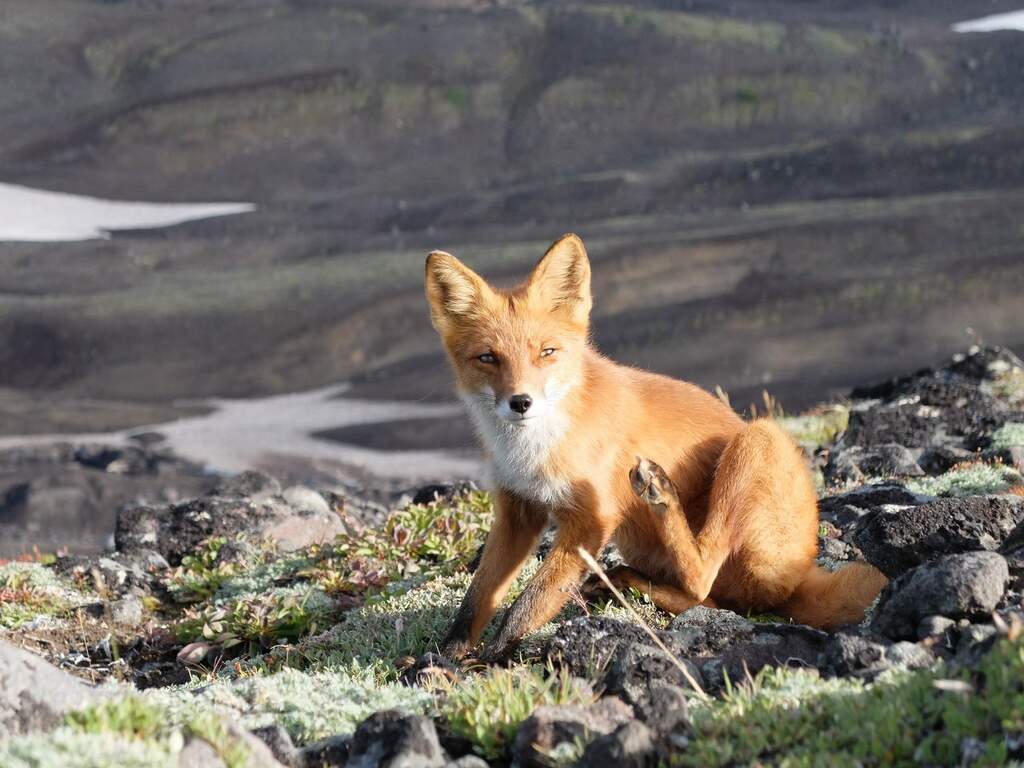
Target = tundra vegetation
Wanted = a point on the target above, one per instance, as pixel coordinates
(242, 634)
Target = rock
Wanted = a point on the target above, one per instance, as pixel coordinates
(928, 409)
(467, 761)
(249, 504)
(588, 643)
(279, 743)
(638, 666)
(395, 739)
(955, 586)
(35, 695)
(306, 501)
(775, 645)
(848, 654)
(934, 626)
(845, 509)
(326, 753)
(199, 754)
(444, 492)
(550, 726)
(941, 458)
(428, 668)
(856, 462)
(127, 612)
(631, 745)
(664, 708)
(704, 631)
(896, 542)
(247, 485)
(128, 460)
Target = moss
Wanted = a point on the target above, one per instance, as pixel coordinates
(817, 428)
(309, 705)
(967, 480)
(31, 590)
(904, 719)
(68, 748)
(1009, 435)
(488, 709)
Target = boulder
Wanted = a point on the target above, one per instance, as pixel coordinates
(895, 542)
(846, 509)
(279, 743)
(34, 694)
(249, 504)
(956, 586)
(856, 462)
(550, 726)
(329, 752)
(631, 745)
(394, 738)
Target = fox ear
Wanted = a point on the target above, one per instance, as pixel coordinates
(454, 291)
(561, 279)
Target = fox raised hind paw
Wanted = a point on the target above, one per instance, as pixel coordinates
(651, 484)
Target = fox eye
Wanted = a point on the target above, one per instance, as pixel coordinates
(487, 358)
(547, 351)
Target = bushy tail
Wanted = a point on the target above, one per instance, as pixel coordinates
(829, 599)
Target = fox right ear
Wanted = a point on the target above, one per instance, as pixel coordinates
(454, 291)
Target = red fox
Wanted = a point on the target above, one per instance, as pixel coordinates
(704, 507)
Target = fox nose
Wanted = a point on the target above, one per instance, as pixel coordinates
(520, 403)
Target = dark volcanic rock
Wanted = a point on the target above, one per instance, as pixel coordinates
(632, 745)
(772, 645)
(250, 503)
(856, 462)
(443, 492)
(895, 542)
(326, 753)
(279, 743)
(395, 739)
(928, 409)
(848, 654)
(955, 586)
(639, 666)
(588, 643)
(846, 509)
(549, 726)
(663, 708)
(705, 631)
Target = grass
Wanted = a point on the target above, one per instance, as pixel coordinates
(793, 718)
(967, 480)
(1009, 435)
(29, 590)
(488, 709)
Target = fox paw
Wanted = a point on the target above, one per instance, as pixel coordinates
(651, 484)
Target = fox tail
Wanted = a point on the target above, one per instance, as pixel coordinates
(829, 599)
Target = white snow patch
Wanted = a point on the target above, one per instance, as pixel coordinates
(995, 23)
(35, 215)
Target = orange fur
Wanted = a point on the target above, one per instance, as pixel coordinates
(731, 520)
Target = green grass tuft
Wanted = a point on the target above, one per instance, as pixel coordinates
(488, 709)
(967, 480)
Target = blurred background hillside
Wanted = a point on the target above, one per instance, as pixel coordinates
(776, 194)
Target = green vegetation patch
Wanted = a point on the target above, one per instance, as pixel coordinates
(489, 708)
(968, 480)
(816, 428)
(31, 590)
(792, 717)
(1009, 435)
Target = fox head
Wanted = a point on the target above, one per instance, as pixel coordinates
(516, 353)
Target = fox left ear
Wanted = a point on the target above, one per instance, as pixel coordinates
(561, 279)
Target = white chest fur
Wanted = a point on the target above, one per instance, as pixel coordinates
(521, 454)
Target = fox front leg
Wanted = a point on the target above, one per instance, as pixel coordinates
(548, 591)
(514, 532)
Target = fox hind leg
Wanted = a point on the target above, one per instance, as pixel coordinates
(695, 566)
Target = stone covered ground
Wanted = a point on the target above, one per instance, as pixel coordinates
(267, 626)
